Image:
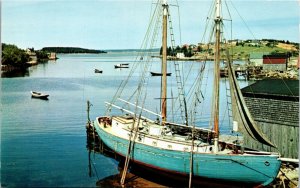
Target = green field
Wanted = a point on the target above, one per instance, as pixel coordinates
(244, 51)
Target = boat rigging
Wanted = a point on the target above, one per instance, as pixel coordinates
(151, 139)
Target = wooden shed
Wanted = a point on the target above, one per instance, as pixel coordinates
(275, 62)
(257, 58)
(274, 105)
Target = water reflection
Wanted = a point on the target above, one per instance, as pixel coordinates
(15, 73)
(24, 72)
(44, 99)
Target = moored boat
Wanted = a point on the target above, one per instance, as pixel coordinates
(39, 95)
(182, 147)
(159, 74)
(98, 71)
(160, 148)
(124, 65)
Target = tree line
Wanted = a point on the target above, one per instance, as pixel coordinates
(12, 55)
(187, 51)
(70, 50)
(16, 57)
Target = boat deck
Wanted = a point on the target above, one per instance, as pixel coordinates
(167, 137)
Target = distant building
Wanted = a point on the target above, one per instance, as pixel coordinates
(234, 42)
(52, 56)
(32, 56)
(30, 52)
(253, 43)
(256, 58)
(274, 105)
(180, 55)
(276, 62)
(193, 46)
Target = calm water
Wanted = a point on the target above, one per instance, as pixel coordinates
(43, 143)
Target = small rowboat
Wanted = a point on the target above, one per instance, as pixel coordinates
(98, 71)
(39, 95)
(124, 65)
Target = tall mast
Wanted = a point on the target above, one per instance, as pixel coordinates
(164, 63)
(215, 112)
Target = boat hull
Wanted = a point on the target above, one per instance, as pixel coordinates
(121, 66)
(98, 71)
(248, 169)
(159, 74)
(39, 95)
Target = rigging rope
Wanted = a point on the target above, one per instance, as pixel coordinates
(140, 98)
(243, 20)
(137, 60)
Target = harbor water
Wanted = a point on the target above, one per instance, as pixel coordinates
(43, 142)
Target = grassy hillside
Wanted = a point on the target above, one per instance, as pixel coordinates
(242, 50)
(262, 49)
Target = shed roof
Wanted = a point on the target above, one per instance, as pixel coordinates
(274, 88)
(258, 55)
(276, 56)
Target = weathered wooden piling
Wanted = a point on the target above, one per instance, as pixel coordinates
(93, 140)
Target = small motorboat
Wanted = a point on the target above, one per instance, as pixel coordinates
(124, 65)
(159, 74)
(39, 95)
(98, 71)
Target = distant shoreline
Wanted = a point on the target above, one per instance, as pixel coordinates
(73, 50)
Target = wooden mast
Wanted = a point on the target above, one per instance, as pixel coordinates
(164, 64)
(216, 91)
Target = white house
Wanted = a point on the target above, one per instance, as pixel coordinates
(180, 55)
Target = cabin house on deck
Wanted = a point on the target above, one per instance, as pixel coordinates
(274, 105)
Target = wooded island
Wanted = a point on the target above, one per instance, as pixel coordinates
(67, 50)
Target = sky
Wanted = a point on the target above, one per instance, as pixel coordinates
(122, 24)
